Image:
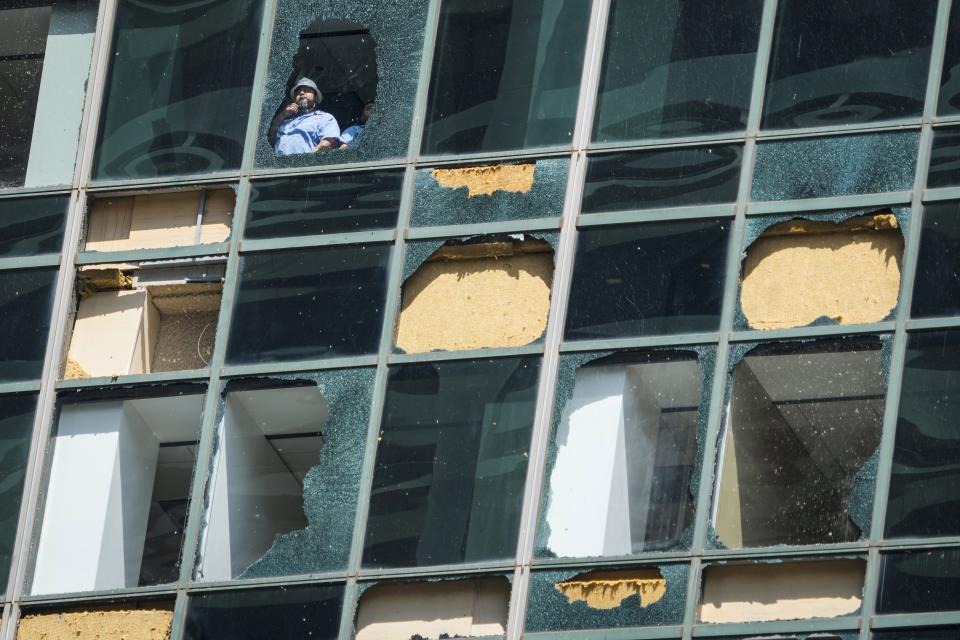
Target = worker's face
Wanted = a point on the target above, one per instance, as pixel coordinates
(306, 98)
(367, 112)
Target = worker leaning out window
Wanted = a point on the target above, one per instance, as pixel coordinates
(302, 127)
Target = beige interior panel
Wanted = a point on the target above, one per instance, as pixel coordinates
(608, 589)
(485, 180)
(133, 624)
(106, 333)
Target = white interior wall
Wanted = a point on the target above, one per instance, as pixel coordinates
(642, 427)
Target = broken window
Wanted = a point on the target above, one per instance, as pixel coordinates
(178, 90)
(32, 226)
(759, 592)
(506, 75)
(662, 78)
(319, 302)
(143, 620)
(799, 271)
(449, 478)
(945, 158)
(118, 491)
(924, 499)
(936, 290)
(950, 80)
(253, 614)
(434, 610)
(477, 295)
(844, 166)
(16, 426)
(661, 178)
(569, 600)
(313, 205)
(847, 63)
(918, 581)
(802, 422)
(44, 62)
(155, 220)
(145, 318)
(626, 449)
(647, 279)
(339, 57)
(26, 302)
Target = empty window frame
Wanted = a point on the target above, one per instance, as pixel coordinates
(178, 91)
(32, 226)
(506, 75)
(626, 445)
(44, 61)
(919, 581)
(450, 471)
(117, 494)
(16, 426)
(26, 302)
(157, 220)
(802, 421)
(145, 318)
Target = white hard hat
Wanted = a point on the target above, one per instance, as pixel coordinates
(306, 82)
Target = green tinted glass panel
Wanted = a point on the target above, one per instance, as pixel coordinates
(950, 81)
(666, 73)
(924, 495)
(448, 484)
(944, 159)
(29, 226)
(506, 75)
(16, 425)
(178, 90)
(918, 581)
(26, 301)
(936, 290)
(848, 62)
(662, 178)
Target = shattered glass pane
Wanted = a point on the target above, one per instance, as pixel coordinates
(16, 426)
(802, 421)
(665, 75)
(848, 62)
(944, 159)
(313, 205)
(626, 450)
(319, 302)
(921, 580)
(26, 301)
(506, 75)
(661, 178)
(835, 166)
(924, 495)
(950, 81)
(936, 289)
(448, 484)
(45, 49)
(253, 614)
(30, 226)
(179, 86)
(647, 279)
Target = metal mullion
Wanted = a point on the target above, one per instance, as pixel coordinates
(195, 514)
(144, 255)
(162, 377)
(303, 242)
(899, 544)
(531, 225)
(657, 215)
(497, 157)
(326, 577)
(946, 121)
(535, 348)
(911, 620)
(20, 192)
(945, 193)
(43, 416)
(644, 342)
(78, 597)
(795, 333)
(167, 182)
(29, 386)
(296, 366)
(498, 567)
(258, 86)
(30, 262)
(900, 124)
(358, 166)
(890, 199)
(926, 324)
(653, 144)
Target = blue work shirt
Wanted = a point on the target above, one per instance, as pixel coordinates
(302, 134)
(350, 133)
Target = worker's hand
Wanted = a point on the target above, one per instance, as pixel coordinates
(290, 110)
(327, 143)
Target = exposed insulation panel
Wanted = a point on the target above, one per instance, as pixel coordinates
(798, 271)
(133, 624)
(782, 591)
(106, 334)
(461, 304)
(483, 181)
(608, 589)
(464, 608)
(158, 220)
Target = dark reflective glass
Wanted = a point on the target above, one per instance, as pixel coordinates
(925, 633)
(677, 68)
(802, 421)
(309, 303)
(661, 178)
(506, 74)
(848, 62)
(950, 80)
(647, 279)
(835, 166)
(26, 301)
(16, 425)
(178, 90)
(448, 484)
(253, 614)
(917, 581)
(924, 495)
(323, 204)
(936, 289)
(29, 226)
(944, 159)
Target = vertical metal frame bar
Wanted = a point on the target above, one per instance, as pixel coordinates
(258, 86)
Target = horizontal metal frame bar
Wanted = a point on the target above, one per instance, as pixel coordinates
(657, 215)
(20, 192)
(946, 121)
(494, 157)
(368, 574)
(651, 144)
(530, 225)
(473, 354)
(303, 242)
(267, 369)
(900, 124)
(95, 596)
(814, 625)
(906, 620)
(899, 544)
(890, 199)
(144, 255)
(135, 379)
(28, 386)
(759, 335)
(943, 193)
(30, 262)
(339, 167)
(327, 577)
(167, 183)
(644, 342)
(639, 633)
(921, 324)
